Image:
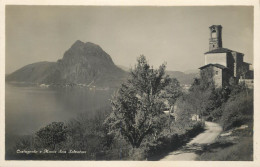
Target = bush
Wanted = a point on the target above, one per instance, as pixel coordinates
(51, 135)
(237, 110)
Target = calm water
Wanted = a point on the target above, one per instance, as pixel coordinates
(29, 108)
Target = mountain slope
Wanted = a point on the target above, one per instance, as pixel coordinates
(182, 77)
(33, 73)
(83, 63)
(185, 77)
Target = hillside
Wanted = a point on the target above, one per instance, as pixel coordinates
(183, 78)
(83, 63)
(32, 73)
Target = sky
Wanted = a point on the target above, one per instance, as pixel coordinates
(176, 35)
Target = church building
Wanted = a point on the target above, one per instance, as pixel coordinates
(224, 63)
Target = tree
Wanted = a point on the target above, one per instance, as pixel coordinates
(173, 91)
(202, 95)
(243, 72)
(201, 101)
(184, 110)
(138, 104)
(52, 134)
(205, 81)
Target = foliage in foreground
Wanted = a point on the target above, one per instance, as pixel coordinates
(51, 135)
(237, 110)
(88, 134)
(232, 108)
(81, 133)
(138, 105)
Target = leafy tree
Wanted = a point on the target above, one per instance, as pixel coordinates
(173, 91)
(204, 82)
(138, 104)
(52, 134)
(200, 101)
(206, 79)
(203, 96)
(184, 110)
(242, 71)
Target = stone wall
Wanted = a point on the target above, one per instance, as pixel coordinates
(217, 76)
(220, 76)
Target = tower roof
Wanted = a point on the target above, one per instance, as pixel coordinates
(215, 26)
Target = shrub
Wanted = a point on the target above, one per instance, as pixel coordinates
(237, 110)
(51, 135)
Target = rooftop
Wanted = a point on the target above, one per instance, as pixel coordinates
(215, 65)
(220, 50)
(247, 63)
(215, 26)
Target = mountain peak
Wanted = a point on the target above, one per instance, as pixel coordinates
(88, 45)
(92, 45)
(81, 63)
(77, 44)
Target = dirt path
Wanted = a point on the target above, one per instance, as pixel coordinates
(187, 153)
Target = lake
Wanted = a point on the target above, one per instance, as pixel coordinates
(27, 109)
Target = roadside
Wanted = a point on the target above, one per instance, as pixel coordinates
(232, 145)
(188, 152)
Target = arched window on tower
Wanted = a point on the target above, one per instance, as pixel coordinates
(213, 33)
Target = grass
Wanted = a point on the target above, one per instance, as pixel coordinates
(242, 151)
(237, 147)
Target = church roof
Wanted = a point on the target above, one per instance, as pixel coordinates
(215, 65)
(219, 50)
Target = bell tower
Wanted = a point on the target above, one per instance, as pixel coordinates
(215, 40)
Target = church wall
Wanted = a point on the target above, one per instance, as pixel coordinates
(238, 63)
(250, 74)
(216, 58)
(226, 75)
(231, 62)
(220, 76)
(217, 76)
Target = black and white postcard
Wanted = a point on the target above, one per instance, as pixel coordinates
(129, 84)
